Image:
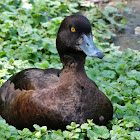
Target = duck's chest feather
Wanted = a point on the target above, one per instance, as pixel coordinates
(72, 99)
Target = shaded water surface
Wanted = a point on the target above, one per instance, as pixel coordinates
(128, 39)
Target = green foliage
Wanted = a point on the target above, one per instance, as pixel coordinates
(118, 77)
(27, 39)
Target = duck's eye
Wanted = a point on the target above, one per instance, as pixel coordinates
(73, 29)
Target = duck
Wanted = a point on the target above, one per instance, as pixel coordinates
(53, 97)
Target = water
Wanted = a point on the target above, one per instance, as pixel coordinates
(128, 39)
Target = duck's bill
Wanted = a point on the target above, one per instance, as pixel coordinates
(89, 47)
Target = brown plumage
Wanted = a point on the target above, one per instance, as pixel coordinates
(56, 98)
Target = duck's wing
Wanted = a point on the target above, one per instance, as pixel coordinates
(15, 94)
(29, 79)
(32, 79)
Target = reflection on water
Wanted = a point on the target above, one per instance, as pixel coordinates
(128, 39)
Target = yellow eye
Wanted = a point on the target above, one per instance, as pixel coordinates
(73, 29)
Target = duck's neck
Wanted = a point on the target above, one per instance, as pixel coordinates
(73, 63)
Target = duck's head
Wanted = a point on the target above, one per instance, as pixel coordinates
(75, 37)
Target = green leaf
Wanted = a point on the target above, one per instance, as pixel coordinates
(51, 48)
(111, 9)
(116, 99)
(102, 131)
(109, 74)
(24, 30)
(72, 126)
(37, 127)
(13, 138)
(3, 73)
(12, 129)
(38, 134)
(2, 54)
(85, 126)
(135, 135)
(25, 132)
(7, 134)
(66, 134)
(43, 129)
(91, 134)
(123, 21)
(130, 124)
(120, 67)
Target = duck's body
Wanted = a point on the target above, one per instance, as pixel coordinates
(52, 97)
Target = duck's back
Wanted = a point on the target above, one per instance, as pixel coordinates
(34, 78)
